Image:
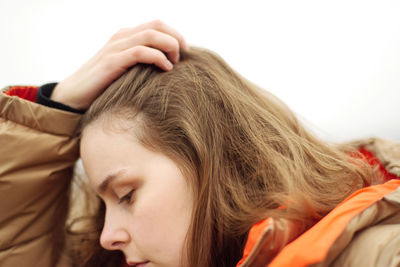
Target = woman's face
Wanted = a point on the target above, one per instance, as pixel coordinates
(148, 201)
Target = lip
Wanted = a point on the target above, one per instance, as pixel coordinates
(138, 264)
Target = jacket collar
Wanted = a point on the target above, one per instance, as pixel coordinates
(269, 244)
(267, 241)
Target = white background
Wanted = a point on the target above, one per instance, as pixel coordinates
(335, 63)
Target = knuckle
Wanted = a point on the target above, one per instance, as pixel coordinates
(122, 31)
(138, 51)
(115, 36)
(149, 34)
(156, 24)
(118, 34)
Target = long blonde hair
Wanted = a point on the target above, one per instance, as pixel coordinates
(243, 150)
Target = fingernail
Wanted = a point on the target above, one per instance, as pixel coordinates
(168, 65)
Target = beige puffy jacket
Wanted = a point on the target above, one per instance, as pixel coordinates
(38, 149)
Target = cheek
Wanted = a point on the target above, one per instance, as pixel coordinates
(161, 219)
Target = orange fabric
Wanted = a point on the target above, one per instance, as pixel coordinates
(312, 246)
(257, 230)
(25, 92)
(254, 234)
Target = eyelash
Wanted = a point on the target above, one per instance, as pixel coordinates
(127, 198)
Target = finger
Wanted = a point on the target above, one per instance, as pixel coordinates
(144, 54)
(155, 39)
(158, 26)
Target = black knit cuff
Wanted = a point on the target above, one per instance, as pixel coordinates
(43, 98)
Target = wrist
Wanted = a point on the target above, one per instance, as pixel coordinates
(44, 98)
(60, 95)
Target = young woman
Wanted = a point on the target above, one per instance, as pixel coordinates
(196, 167)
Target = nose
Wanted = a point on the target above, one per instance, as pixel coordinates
(114, 235)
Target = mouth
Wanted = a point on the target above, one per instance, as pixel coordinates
(138, 264)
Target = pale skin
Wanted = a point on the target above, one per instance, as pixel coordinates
(148, 200)
(152, 43)
(148, 204)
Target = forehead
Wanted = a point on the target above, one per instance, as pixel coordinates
(105, 146)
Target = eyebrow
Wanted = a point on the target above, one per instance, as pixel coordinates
(102, 188)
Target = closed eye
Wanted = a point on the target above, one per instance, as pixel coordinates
(127, 197)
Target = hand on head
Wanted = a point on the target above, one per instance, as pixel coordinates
(151, 43)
